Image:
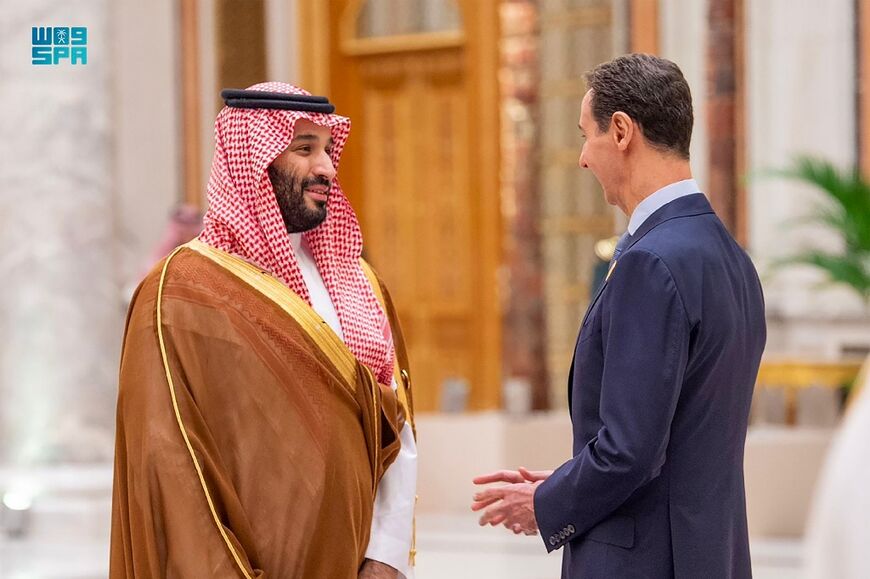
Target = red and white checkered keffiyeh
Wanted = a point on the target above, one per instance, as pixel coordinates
(243, 218)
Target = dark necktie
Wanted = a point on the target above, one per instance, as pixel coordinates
(620, 245)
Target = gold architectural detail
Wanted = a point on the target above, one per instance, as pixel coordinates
(591, 16)
(423, 175)
(315, 36)
(190, 126)
(443, 65)
(577, 224)
(803, 374)
(355, 44)
(564, 88)
(403, 43)
(794, 375)
(644, 26)
(241, 42)
(574, 214)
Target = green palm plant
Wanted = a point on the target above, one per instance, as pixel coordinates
(846, 211)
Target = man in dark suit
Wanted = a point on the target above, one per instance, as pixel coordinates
(665, 363)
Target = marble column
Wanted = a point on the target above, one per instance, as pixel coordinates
(801, 90)
(61, 315)
(684, 34)
(572, 212)
(523, 320)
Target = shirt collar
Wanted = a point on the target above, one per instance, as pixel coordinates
(295, 242)
(658, 200)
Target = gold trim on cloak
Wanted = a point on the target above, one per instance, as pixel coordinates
(400, 375)
(403, 382)
(262, 281)
(341, 357)
(308, 319)
(181, 426)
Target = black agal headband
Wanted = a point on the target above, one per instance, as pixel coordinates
(258, 99)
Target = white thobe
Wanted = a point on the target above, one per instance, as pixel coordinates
(838, 530)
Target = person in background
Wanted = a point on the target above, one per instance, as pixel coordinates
(838, 529)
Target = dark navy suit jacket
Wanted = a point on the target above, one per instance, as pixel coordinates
(659, 395)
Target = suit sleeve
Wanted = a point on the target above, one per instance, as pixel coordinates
(645, 341)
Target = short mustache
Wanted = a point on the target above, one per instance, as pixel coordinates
(306, 183)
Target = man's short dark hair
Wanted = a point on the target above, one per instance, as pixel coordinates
(650, 90)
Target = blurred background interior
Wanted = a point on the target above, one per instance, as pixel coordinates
(462, 166)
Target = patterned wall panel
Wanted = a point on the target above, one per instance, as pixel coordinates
(419, 213)
(575, 36)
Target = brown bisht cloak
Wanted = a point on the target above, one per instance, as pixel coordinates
(250, 441)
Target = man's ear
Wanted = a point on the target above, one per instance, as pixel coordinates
(623, 130)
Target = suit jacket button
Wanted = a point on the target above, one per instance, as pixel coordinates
(571, 528)
(553, 540)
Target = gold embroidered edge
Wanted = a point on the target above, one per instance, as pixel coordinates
(399, 375)
(275, 290)
(180, 421)
(327, 340)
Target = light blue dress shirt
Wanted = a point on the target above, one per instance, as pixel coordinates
(658, 200)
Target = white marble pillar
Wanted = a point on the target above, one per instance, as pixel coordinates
(801, 100)
(60, 312)
(683, 39)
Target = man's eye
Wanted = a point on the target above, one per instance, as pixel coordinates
(304, 149)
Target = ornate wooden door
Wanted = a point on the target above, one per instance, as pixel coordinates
(418, 80)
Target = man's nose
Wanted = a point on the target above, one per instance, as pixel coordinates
(325, 167)
(581, 162)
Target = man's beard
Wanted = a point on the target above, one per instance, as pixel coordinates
(290, 193)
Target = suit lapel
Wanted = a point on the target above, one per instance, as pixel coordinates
(600, 289)
(687, 206)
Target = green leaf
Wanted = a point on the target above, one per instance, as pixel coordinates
(845, 211)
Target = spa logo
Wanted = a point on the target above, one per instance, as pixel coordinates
(57, 44)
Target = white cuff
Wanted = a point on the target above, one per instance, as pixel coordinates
(393, 518)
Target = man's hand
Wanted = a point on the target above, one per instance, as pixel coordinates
(512, 505)
(377, 570)
(513, 476)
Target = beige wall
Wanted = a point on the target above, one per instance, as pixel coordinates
(683, 39)
(146, 104)
(59, 312)
(801, 100)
